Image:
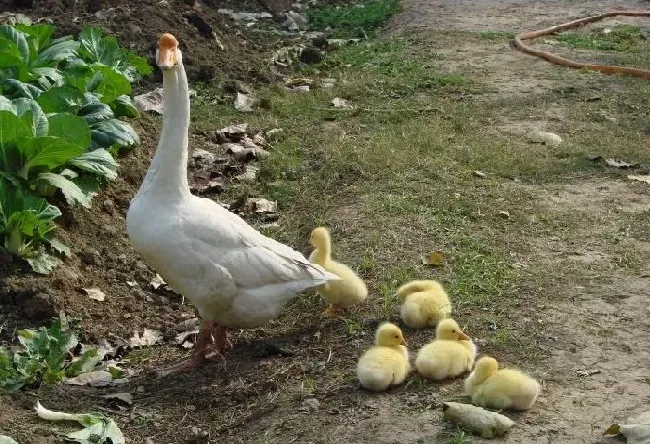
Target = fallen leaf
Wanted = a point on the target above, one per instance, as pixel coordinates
(244, 103)
(149, 337)
(234, 131)
(504, 214)
(545, 138)
(435, 259)
(209, 186)
(645, 178)
(258, 139)
(249, 174)
(248, 154)
(203, 155)
(181, 338)
(125, 397)
(95, 293)
(482, 422)
(337, 102)
(261, 205)
(587, 372)
(104, 431)
(617, 163)
(636, 429)
(99, 378)
(157, 282)
(151, 101)
(479, 174)
(132, 284)
(187, 324)
(301, 89)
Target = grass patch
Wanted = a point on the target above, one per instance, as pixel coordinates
(623, 38)
(496, 35)
(355, 20)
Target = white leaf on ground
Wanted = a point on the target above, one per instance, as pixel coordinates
(545, 137)
(157, 282)
(100, 378)
(51, 415)
(587, 372)
(95, 293)
(149, 337)
(617, 163)
(261, 205)
(337, 102)
(479, 174)
(645, 178)
(249, 174)
(181, 338)
(60, 247)
(234, 130)
(244, 103)
(482, 422)
(125, 397)
(636, 429)
(248, 154)
(151, 101)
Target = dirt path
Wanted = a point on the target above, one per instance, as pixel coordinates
(599, 324)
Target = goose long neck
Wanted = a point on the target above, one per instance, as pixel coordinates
(167, 174)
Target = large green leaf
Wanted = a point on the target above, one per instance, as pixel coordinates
(111, 132)
(111, 85)
(94, 47)
(11, 128)
(11, 33)
(5, 104)
(9, 53)
(98, 161)
(71, 191)
(42, 262)
(95, 112)
(60, 49)
(49, 152)
(74, 129)
(13, 89)
(124, 106)
(40, 35)
(31, 113)
(61, 99)
(52, 74)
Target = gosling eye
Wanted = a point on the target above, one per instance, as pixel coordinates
(396, 337)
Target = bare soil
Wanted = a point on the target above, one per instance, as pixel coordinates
(600, 323)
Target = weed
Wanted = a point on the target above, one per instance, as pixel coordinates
(355, 20)
(623, 38)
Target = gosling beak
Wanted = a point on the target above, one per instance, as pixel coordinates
(403, 341)
(166, 53)
(463, 337)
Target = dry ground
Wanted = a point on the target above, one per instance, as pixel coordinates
(557, 288)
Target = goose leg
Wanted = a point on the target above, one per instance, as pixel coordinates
(333, 310)
(201, 348)
(220, 342)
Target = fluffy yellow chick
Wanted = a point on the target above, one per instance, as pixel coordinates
(387, 363)
(449, 355)
(424, 303)
(339, 294)
(500, 389)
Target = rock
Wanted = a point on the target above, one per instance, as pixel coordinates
(90, 257)
(244, 103)
(311, 55)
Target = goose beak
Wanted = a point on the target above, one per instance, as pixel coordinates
(403, 342)
(166, 53)
(463, 337)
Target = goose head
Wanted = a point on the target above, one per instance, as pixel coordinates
(449, 330)
(168, 56)
(389, 335)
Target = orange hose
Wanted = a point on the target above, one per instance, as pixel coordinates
(553, 58)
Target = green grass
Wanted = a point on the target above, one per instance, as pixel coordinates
(623, 38)
(358, 19)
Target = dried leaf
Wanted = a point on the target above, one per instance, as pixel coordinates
(244, 103)
(337, 102)
(209, 186)
(182, 337)
(258, 139)
(617, 163)
(479, 174)
(645, 178)
(151, 101)
(545, 138)
(477, 420)
(125, 397)
(435, 259)
(261, 205)
(301, 89)
(95, 293)
(588, 372)
(234, 131)
(157, 282)
(203, 155)
(149, 337)
(504, 214)
(187, 324)
(636, 429)
(100, 378)
(248, 154)
(249, 174)
(132, 284)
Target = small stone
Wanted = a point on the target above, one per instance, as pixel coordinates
(311, 56)
(310, 405)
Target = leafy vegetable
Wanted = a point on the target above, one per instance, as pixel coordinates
(98, 429)
(46, 356)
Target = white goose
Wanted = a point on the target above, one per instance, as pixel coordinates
(235, 276)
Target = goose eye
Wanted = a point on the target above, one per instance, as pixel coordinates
(396, 337)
